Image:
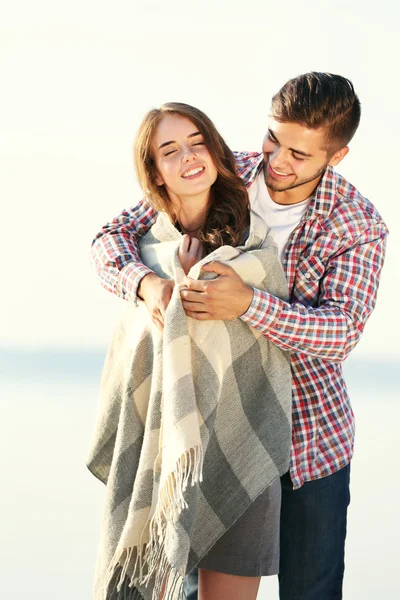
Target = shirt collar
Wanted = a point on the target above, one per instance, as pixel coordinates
(323, 199)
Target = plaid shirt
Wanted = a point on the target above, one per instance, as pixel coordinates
(332, 262)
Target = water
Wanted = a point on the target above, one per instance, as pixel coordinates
(51, 505)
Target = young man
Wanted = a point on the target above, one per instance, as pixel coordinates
(331, 241)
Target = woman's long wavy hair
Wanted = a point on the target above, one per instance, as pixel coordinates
(228, 213)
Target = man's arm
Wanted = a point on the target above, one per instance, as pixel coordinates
(115, 255)
(115, 251)
(347, 297)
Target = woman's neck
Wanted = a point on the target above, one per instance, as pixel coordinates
(191, 212)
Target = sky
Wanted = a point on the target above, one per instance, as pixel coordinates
(78, 77)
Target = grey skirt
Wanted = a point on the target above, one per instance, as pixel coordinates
(251, 546)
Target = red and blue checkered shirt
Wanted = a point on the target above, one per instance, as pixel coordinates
(332, 262)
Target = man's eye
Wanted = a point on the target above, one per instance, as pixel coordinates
(297, 157)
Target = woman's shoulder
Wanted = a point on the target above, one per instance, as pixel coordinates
(161, 231)
(256, 233)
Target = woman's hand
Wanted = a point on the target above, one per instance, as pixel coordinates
(156, 294)
(190, 252)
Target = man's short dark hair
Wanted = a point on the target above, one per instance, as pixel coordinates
(320, 100)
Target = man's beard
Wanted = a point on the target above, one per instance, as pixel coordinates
(275, 187)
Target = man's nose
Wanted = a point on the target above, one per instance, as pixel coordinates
(278, 157)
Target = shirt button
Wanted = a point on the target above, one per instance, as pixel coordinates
(307, 276)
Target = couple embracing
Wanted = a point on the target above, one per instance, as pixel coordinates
(225, 431)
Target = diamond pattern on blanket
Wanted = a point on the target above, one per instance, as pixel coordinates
(144, 482)
(259, 397)
(124, 473)
(207, 526)
(180, 390)
(205, 381)
(213, 340)
(154, 419)
(105, 455)
(221, 487)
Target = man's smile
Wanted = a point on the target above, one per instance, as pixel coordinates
(278, 174)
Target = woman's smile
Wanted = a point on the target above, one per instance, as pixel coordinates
(193, 172)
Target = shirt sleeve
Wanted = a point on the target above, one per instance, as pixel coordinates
(115, 251)
(347, 297)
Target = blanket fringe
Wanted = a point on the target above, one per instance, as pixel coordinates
(139, 564)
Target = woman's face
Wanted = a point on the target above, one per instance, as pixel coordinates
(183, 162)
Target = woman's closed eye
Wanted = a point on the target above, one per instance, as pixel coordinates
(172, 150)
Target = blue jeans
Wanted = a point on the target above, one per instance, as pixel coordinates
(313, 533)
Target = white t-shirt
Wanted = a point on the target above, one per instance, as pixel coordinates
(281, 219)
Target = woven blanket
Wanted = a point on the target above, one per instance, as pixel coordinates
(193, 424)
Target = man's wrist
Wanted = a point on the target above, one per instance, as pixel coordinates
(249, 301)
(263, 310)
(146, 280)
(129, 280)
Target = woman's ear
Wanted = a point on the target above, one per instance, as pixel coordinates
(158, 179)
(155, 173)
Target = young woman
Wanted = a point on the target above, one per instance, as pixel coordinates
(187, 171)
(202, 484)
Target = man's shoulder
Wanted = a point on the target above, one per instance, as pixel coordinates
(245, 159)
(351, 214)
(246, 154)
(249, 165)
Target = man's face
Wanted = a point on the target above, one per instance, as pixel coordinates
(293, 155)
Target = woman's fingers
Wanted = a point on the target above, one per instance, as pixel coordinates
(196, 250)
(156, 294)
(194, 246)
(158, 322)
(200, 252)
(190, 252)
(185, 243)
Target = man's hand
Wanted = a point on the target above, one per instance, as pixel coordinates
(190, 252)
(156, 294)
(225, 298)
